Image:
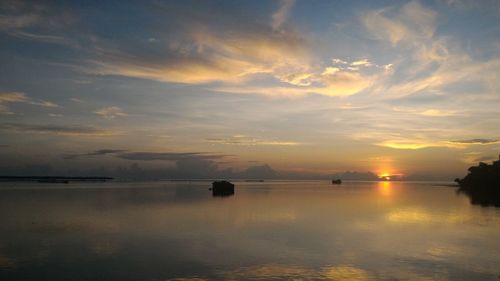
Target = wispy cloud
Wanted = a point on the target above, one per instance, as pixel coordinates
(477, 141)
(110, 112)
(338, 79)
(18, 97)
(281, 15)
(362, 62)
(5, 110)
(408, 143)
(169, 156)
(35, 21)
(214, 56)
(409, 25)
(76, 130)
(13, 97)
(250, 141)
(437, 113)
(94, 153)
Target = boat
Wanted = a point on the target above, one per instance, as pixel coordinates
(222, 188)
(337, 181)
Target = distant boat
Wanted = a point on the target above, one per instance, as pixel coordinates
(254, 180)
(222, 188)
(337, 181)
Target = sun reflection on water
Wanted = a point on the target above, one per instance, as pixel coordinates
(384, 188)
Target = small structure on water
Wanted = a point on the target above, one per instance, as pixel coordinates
(337, 181)
(222, 188)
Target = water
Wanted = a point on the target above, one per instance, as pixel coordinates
(266, 231)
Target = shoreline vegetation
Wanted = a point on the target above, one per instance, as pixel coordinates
(482, 184)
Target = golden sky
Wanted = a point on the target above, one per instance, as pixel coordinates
(306, 87)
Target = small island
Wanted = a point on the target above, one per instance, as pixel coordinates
(222, 188)
(482, 184)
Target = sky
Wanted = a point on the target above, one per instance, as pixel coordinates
(231, 88)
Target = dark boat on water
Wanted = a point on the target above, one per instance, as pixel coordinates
(222, 188)
(337, 181)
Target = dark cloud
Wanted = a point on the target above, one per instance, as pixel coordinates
(106, 151)
(95, 153)
(36, 21)
(477, 141)
(169, 156)
(55, 129)
(259, 172)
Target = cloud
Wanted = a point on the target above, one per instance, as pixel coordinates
(13, 97)
(44, 103)
(337, 80)
(362, 62)
(406, 144)
(77, 100)
(250, 141)
(110, 112)
(426, 112)
(407, 138)
(430, 62)
(106, 151)
(5, 110)
(206, 52)
(457, 68)
(437, 113)
(409, 25)
(95, 153)
(343, 83)
(281, 15)
(35, 21)
(204, 56)
(169, 156)
(76, 130)
(18, 97)
(476, 141)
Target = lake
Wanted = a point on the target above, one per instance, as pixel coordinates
(279, 230)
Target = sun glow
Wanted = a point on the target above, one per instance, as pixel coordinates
(385, 176)
(389, 175)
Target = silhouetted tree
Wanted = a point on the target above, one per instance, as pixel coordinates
(482, 184)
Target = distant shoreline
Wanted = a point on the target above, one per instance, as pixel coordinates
(45, 179)
(51, 178)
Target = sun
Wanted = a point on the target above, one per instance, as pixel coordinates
(385, 176)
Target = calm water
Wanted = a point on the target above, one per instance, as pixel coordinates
(266, 231)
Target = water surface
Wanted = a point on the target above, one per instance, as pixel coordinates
(265, 231)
